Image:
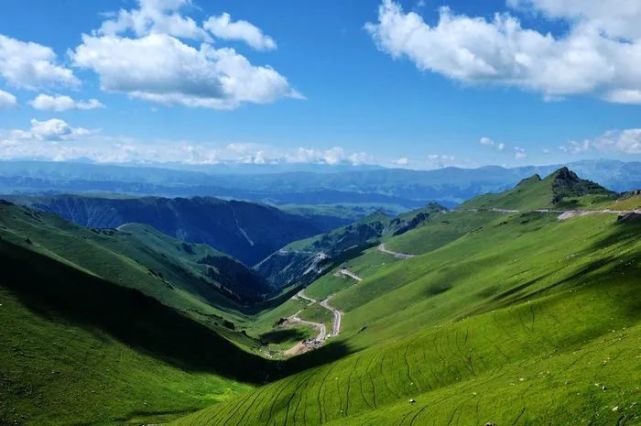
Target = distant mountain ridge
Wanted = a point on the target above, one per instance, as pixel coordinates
(247, 231)
(138, 256)
(312, 185)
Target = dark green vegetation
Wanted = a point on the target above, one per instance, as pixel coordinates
(303, 261)
(247, 231)
(522, 319)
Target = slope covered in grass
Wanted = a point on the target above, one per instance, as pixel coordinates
(303, 261)
(523, 320)
(192, 278)
(77, 349)
(561, 189)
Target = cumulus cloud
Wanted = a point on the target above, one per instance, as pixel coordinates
(520, 153)
(58, 141)
(439, 161)
(617, 18)
(485, 141)
(224, 28)
(474, 50)
(626, 141)
(30, 65)
(50, 130)
(146, 54)
(403, 161)
(7, 100)
(60, 103)
(155, 16)
(331, 156)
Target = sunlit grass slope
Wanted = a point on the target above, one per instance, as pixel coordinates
(561, 189)
(526, 320)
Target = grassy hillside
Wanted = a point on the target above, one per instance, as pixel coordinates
(194, 279)
(524, 319)
(77, 349)
(561, 189)
(505, 315)
(303, 261)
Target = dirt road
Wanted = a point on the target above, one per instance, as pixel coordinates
(346, 272)
(316, 342)
(338, 316)
(322, 330)
(566, 214)
(397, 255)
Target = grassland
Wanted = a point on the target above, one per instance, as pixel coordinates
(194, 279)
(525, 320)
(77, 349)
(501, 317)
(442, 229)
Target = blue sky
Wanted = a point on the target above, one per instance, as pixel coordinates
(419, 87)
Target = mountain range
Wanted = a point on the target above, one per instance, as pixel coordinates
(247, 231)
(283, 185)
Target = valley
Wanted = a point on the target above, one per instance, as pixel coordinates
(455, 310)
(330, 213)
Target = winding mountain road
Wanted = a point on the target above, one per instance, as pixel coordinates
(322, 329)
(308, 345)
(397, 255)
(301, 295)
(346, 272)
(338, 316)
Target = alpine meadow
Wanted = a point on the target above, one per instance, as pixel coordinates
(383, 212)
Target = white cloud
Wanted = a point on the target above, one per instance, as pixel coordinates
(403, 161)
(617, 18)
(520, 153)
(624, 96)
(143, 53)
(7, 100)
(60, 103)
(50, 130)
(439, 161)
(626, 141)
(574, 147)
(224, 28)
(491, 143)
(474, 50)
(56, 140)
(155, 16)
(30, 65)
(332, 156)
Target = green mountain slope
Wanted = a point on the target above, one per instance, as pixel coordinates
(303, 261)
(524, 319)
(192, 278)
(561, 189)
(247, 231)
(77, 349)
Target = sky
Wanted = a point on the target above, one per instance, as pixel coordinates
(419, 84)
